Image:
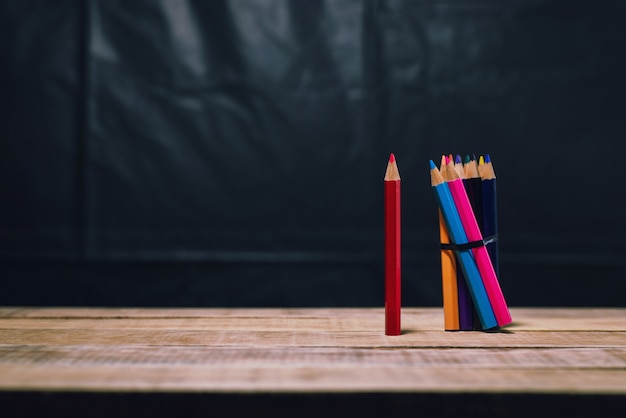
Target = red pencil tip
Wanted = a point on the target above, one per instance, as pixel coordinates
(392, 158)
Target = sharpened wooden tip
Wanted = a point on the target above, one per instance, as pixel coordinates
(471, 169)
(435, 176)
(458, 166)
(392, 173)
(486, 170)
(449, 173)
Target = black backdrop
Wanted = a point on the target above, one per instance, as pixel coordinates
(231, 153)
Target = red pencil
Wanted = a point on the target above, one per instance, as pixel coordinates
(392, 248)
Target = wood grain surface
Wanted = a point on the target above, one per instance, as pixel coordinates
(308, 350)
(103, 362)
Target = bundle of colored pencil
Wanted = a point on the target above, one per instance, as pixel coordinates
(472, 297)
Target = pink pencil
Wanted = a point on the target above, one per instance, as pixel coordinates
(485, 267)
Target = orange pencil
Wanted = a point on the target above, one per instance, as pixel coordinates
(392, 248)
(449, 275)
(464, 299)
(448, 281)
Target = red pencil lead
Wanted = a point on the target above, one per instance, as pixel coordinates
(392, 158)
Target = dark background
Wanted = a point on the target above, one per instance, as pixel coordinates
(231, 153)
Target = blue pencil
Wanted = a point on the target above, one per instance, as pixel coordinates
(457, 235)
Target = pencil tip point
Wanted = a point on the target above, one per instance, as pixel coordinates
(392, 158)
(432, 164)
(487, 158)
(457, 159)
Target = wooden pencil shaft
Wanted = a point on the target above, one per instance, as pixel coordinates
(392, 258)
(393, 261)
(473, 187)
(449, 281)
(490, 220)
(466, 305)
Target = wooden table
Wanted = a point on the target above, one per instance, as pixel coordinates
(308, 362)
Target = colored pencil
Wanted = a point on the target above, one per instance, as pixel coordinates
(490, 208)
(465, 307)
(472, 231)
(458, 165)
(392, 248)
(472, 183)
(465, 257)
(448, 281)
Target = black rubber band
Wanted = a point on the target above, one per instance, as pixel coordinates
(469, 245)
